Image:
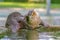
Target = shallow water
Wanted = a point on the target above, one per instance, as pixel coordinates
(35, 36)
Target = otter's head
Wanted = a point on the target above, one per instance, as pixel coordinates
(33, 13)
(31, 19)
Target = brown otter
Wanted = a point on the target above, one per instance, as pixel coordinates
(34, 20)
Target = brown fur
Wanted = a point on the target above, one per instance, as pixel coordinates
(35, 20)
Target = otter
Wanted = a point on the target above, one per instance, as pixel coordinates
(15, 22)
(34, 20)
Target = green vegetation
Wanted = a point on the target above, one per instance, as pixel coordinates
(20, 5)
(3, 31)
(15, 0)
(55, 1)
(25, 5)
(44, 1)
(57, 34)
(49, 29)
(55, 5)
(2, 35)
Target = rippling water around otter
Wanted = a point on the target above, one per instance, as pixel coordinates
(33, 35)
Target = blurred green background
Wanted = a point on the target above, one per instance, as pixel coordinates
(28, 3)
(39, 1)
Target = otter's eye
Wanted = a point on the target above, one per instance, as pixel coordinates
(27, 18)
(19, 21)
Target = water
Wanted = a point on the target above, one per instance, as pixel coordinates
(40, 36)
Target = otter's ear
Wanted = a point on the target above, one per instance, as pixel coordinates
(34, 13)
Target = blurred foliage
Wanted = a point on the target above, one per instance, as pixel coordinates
(26, 5)
(15, 0)
(55, 1)
(40, 1)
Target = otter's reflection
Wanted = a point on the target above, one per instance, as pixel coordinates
(29, 34)
(32, 35)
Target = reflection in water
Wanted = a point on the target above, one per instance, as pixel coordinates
(32, 35)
